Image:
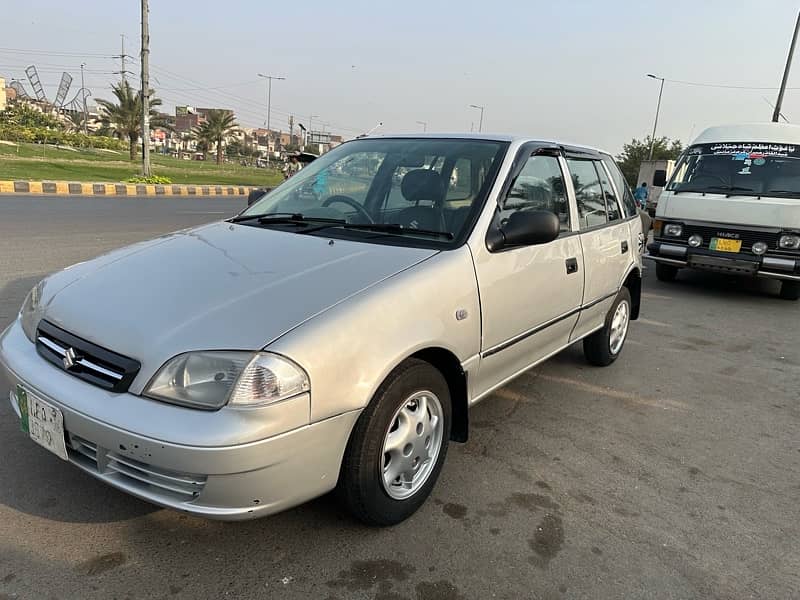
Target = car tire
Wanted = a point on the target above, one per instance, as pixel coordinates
(604, 346)
(393, 435)
(790, 290)
(666, 272)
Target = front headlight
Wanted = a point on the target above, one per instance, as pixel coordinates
(210, 380)
(29, 313)
(789, 242)
(673, 229)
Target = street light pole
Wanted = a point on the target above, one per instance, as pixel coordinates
(145, 57)
(310, 119)
(269, 79)
(480, 123)
(83, 99)
(777, 114)
(658, 109)
(424, 125)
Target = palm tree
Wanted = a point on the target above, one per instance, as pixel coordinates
(216, 129)
(125, 117)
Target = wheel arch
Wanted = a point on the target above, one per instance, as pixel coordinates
(450, 367)
(633, 282)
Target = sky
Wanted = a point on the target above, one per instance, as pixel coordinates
(568, 70)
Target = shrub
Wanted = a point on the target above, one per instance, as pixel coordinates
(156, 179)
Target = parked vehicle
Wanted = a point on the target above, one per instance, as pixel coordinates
(733, 206)
(655, 173)
(336, 333)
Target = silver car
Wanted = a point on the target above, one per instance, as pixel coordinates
(336, 333)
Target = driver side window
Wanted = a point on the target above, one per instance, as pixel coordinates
(539, 186)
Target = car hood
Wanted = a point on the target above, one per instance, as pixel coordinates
(736, 210)
(220, 286)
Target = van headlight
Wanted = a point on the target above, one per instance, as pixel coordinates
(29, 314)
(673, 229)
(210, 380)
(789, 242)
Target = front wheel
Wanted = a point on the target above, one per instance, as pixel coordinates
(398, 446)
(666, 272)
(604, 346)
(790, 290)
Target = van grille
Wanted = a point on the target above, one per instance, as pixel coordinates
(748, 237)
(85, 360)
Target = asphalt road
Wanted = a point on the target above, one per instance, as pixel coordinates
(675, 473)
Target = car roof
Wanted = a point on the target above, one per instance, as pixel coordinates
(778, 133)
(494, 137)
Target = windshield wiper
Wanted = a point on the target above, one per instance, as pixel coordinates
(284, 217)
(731, 188)
(397, 228)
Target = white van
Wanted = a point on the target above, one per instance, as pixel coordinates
(733, 205)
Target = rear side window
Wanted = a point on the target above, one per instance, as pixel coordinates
(588, 193)
(612, 207)
(628, 203)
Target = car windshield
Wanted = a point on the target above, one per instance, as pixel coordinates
(739, 169)
(409, 191)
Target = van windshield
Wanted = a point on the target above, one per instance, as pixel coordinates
(739, 169)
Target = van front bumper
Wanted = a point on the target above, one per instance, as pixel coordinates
(228, 482)
(768, 267)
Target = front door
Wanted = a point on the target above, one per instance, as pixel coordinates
(531, 295)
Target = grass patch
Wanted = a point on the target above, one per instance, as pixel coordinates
(34, 162)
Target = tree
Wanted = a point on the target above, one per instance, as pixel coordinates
(124, 117)
(216, 129)
(22, 114)
(636, 151)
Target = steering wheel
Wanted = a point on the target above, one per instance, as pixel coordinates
(351, 203)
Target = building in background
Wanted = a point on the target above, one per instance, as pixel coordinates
(2, 94)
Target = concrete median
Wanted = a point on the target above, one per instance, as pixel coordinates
(67, 188)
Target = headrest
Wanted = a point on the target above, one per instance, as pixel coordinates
(422, 184)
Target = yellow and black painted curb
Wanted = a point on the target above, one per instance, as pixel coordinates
(70, 188)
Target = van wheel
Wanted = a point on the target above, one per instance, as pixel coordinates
(603, 347)
(398, 446)
(790, 290)
(666, 272)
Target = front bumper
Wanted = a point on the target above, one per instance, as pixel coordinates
(768, 267)
(231, 481)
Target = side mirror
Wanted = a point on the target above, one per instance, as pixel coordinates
(525, 228)
(659, 178)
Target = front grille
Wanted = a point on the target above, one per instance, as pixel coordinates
(85, 360)
(748, 237)
(133, 473)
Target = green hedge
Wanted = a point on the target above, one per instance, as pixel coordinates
(43, 135)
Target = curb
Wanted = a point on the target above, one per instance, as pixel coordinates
(67, 188)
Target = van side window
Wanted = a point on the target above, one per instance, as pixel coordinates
(539, 186)
(612, 207)
(588, 193)
(628, 203)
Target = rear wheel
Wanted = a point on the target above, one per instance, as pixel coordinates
(603, 347)
(398, 446)
(666, 272)
(790, 290)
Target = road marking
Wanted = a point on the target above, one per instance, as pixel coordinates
(664, 403)
(655, 296)
(654, 323)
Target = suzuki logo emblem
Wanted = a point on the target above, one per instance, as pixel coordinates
(70, 358)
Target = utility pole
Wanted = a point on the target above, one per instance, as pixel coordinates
(145, 89)
(658, 109)
(269, 79)
(83, 100)
(291, 129)
(122, 58)
(777, 114)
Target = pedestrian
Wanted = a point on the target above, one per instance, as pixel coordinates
(292, 167)
(641, 195)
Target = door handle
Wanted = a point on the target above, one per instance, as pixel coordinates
(572, 265)
(624, 246)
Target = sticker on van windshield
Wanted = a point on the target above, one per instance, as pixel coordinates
(745, 150)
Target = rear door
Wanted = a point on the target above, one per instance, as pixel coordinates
(605, 239)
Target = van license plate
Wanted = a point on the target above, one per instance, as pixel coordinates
(723, 245)
(43, 422)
